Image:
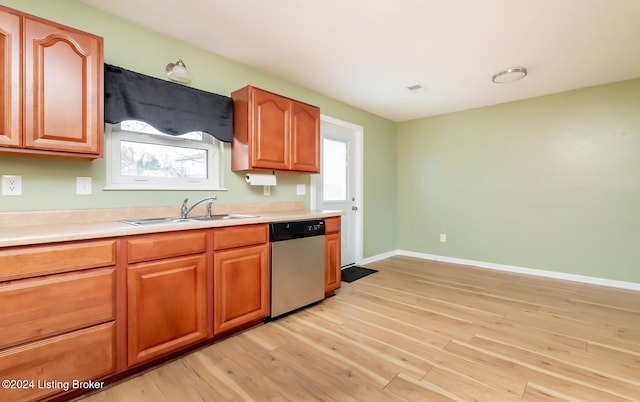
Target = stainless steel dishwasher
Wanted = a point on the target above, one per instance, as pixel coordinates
(297, 264)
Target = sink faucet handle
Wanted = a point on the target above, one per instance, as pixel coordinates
(209, 208)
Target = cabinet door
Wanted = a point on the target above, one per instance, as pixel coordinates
(305, 138)
(332, 271)
(10, 128)
(63, 85)
(270, 131)
(240, 287)
(167, 306)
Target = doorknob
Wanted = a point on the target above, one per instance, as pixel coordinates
(354, 208)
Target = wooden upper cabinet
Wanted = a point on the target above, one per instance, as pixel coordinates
(272, 132)
(52, 80)
(63, 89)
(305, 138)
(10, 123)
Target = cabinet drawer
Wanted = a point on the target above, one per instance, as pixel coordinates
(165, 245)
(79, 355)
(24, 262)
(36, 308)
(332, 225)
(240, 236)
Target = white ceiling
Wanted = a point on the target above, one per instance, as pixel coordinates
(366, 52)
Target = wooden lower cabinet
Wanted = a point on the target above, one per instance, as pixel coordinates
(332, 258)
(241, 287)
(32, 261)
(51, 366)
(32, 309)
(167, 306)
(77, 311)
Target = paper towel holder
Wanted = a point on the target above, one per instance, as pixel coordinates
(261, 179)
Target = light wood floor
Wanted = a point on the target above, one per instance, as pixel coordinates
(422, 331)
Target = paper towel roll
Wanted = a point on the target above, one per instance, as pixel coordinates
(261, 179)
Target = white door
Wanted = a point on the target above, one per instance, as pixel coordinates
(339, 184)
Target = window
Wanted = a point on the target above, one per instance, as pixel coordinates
(335, 170)
(140, 157)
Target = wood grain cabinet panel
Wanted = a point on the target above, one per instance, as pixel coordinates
(241, 282)
(167, 306)
(333, 225)
(165, 245)
(30, 261)
(36, 308)
(239, 236)
(10, 78)
(63, 89)
(333, 277)
(80, 355)
(272, 132)
(305, 138)
(57, 88)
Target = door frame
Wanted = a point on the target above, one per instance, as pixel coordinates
(358, 134)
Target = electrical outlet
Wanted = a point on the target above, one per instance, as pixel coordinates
(83, 185)
(267, 190)
(301, 189)
(443, 238)
(11, 185)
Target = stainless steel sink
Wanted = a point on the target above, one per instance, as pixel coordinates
(221, 216)
(155, 221)
(160, 221)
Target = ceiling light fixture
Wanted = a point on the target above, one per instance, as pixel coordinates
(509, 75)
(178, 72)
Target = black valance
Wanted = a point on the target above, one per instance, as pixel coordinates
(169, 107)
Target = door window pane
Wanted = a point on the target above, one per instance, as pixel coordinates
(334, 165)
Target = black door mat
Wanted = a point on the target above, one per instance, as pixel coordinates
(355, 272)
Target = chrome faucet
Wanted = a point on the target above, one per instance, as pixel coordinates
(184, 210)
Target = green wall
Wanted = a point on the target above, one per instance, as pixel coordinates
(548, 183)
(50, 184)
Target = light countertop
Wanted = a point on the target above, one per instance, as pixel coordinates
(27, 228)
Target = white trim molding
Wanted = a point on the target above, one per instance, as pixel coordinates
(358, 133)
(378, 257)
(509, 268)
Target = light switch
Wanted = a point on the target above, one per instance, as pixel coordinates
(83, 185)
(301, 189)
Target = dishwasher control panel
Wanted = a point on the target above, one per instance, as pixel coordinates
(279, 231)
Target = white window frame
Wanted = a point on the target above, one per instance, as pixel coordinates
(115, 181)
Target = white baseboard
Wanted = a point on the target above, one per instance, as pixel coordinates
(509, 268)
(378, 257)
